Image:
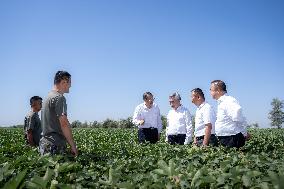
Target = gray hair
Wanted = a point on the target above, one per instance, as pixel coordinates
(176, 96)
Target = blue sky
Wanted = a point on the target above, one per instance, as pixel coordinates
(117, 49)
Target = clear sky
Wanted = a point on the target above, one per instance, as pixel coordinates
(117, 49)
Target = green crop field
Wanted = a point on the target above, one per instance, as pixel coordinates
(112, 158)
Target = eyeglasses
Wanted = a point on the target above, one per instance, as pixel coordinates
(150, 99)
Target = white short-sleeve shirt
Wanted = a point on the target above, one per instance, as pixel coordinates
(204, 114)
(230, 118)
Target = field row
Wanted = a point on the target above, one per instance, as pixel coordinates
(112, 158)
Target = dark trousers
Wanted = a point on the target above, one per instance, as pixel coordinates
(48, 146)
(148, 134)
(236, 141)
(213, 141)
(35, 139)
(176, 139)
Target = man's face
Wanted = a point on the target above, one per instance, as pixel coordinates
(215, 93)
(37, 105)
(174, 103)
(66, 83)
(149, 101)
(194, 98)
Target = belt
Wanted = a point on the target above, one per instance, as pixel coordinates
(202, 137)
(149, 128)
(223, 137)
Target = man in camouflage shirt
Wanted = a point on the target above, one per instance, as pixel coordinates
(32, 125)
(56, 127)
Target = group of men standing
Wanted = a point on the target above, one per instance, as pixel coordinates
(227, 127)
(54, 125)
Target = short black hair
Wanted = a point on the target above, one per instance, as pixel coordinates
(146, 95)
(199, 92)
(61, 75)
(220, 85)
(34, 98)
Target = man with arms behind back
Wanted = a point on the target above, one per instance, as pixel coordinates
(230, 126)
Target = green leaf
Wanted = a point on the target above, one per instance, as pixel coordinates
(53, 184)
(16, 181)
(159, 172)
(246, 180)
(264, 185)
(125, 185)
(172, 168)
(221, 180)
(41, 182)
(196, 177)
(5, 171)
(48, 174)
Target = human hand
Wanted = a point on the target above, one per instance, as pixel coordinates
(187, 140)
(142, 121)
(30, 139)
(74, 150)
(204, 146)
(248, 136)
(194, 141)
(166, 138)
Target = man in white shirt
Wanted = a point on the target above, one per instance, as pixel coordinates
(230, 125)
(148, 119)
(179, 126)
(205, 118)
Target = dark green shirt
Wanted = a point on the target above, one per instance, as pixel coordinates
(54, 106)
(32, 122)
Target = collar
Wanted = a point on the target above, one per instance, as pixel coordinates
(178, 108)
(144, 105)
(201, 105)
(222, 98)
(32, 112)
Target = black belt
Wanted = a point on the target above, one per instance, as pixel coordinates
(202, 137)
(224, 137)
(150, 128)
(177, 135)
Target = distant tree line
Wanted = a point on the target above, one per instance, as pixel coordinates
(276, 116)
(14, 126)
(109, 123)
(253, 126)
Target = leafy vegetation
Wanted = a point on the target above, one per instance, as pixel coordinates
(112, 158)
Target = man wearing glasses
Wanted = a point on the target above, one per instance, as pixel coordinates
(148, 119)
(179, 126)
